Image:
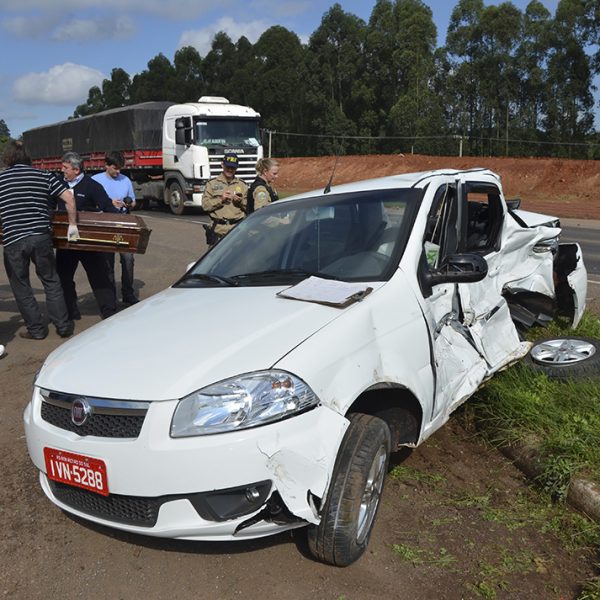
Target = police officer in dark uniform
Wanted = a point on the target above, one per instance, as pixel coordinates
(89, 196)
(261, 191)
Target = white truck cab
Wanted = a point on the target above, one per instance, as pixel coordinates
(196, 136)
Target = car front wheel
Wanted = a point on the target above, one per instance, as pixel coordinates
(357, 483)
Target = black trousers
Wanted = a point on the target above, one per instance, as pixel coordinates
(36, 249)
(126, 260)
(96, 268)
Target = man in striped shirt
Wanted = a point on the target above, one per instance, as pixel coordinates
(25, 194)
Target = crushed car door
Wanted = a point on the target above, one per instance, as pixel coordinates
(486, 313)
(458, 365)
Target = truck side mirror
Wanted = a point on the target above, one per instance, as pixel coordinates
(183, 131)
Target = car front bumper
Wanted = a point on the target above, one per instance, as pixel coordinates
(295, 455)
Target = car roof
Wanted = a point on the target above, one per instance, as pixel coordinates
(405, 180)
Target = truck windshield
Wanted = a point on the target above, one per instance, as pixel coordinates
(227, 133)
(351, 237)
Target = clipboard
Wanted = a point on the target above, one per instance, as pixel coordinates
(338, 294)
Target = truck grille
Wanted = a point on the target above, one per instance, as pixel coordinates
(106, 418)
(246, 171)
(131, 510)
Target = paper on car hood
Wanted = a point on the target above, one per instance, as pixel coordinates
(181, 340)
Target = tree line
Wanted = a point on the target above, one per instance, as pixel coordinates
(507, 82)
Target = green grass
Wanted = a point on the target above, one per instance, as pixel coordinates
(561, 418)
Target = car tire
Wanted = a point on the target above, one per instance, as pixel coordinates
(351, 505)
(176, 199)
(566, 358)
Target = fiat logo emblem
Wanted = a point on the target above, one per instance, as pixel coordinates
(80, 411)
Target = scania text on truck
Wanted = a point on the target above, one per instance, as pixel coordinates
(171, 150)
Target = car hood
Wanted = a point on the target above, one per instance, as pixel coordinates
(181, 340)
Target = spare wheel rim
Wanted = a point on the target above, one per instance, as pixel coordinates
(562, 351)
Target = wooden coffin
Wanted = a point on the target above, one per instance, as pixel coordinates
(106, 232)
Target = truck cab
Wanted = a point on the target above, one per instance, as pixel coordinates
(196, 136)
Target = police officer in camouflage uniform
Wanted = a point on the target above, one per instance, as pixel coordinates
(224, 199)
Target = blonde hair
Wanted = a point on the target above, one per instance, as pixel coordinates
(264, 164)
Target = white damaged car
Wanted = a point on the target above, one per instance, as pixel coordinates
(323, 333)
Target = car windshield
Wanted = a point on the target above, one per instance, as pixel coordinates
(351, 237)
(227, 132)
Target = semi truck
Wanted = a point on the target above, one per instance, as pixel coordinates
(170, 150)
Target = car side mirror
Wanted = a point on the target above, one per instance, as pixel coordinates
(457, 268)
(513, 203)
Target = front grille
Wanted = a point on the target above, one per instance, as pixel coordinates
(111, 426)
(131, 510)
(108, 418)
(246, 171)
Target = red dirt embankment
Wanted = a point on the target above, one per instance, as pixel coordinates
(565, 188)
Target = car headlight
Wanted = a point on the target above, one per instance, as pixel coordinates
(242, 402)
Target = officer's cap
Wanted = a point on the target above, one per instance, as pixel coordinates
(231, 160)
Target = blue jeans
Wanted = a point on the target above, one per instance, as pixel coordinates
(36, 249)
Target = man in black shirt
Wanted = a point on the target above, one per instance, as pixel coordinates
(25, 195)
(89, 196)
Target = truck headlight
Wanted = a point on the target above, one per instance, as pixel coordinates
(242, 402)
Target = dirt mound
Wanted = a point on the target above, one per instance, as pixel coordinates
(565, 188)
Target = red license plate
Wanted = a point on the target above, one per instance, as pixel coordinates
(77, 470)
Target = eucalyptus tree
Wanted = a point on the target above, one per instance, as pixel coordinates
(569, 114)
(93, 104)
(532, 65)
(219, 65)
(116, 90)
(380, 73)
(336, 66)
(416, 110)
(243, 76)
(464, 46)
(157, 82)
(501, 28)
(278, 90)
(189, 79)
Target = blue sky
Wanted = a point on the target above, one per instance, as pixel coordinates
(53, 52)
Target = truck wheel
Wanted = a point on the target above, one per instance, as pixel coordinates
(176, 199)
(353, 499)
(565, 358)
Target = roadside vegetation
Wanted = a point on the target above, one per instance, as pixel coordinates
(560, 418)
(490, 566)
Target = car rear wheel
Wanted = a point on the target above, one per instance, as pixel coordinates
(176, 199)
(357, 483)
(564, 358)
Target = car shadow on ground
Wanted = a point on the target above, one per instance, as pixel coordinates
(242, 546)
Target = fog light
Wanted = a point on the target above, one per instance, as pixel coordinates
(231, 503)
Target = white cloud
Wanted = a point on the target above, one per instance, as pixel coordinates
(28, 27)
(95, 29)
(202, 39)
(65, 84)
